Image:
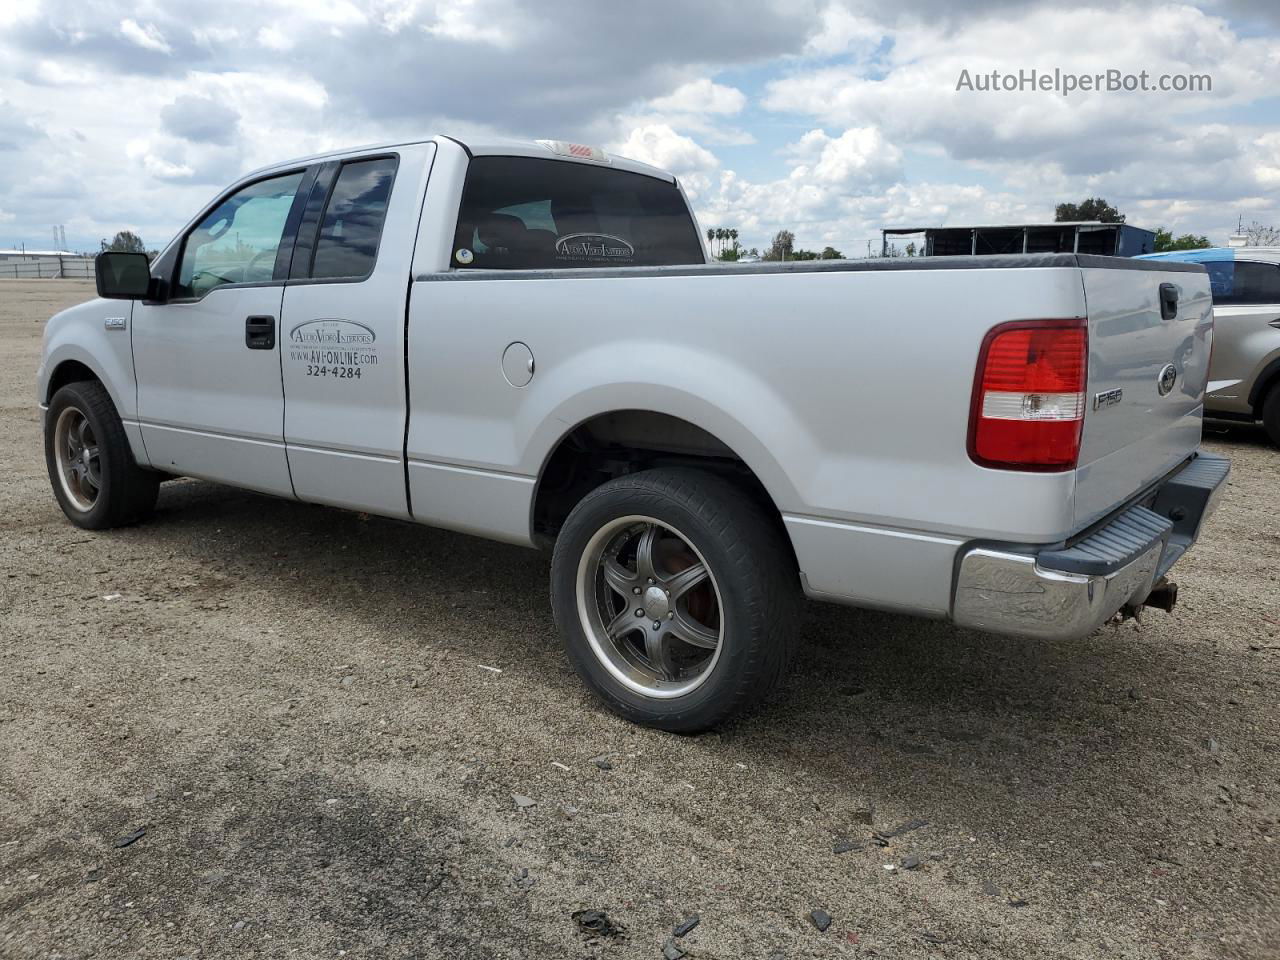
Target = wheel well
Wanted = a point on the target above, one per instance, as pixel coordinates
(627, 441)
(69, 371)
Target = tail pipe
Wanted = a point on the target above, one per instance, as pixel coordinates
(1163, 596)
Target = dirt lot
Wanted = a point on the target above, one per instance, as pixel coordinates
(297, 705)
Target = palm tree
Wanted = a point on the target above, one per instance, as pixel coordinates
(733, 235)
(721, 233)
(711, 235)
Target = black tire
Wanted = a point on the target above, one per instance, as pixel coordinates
(753, 573)
(126, 493)
(1271, 413)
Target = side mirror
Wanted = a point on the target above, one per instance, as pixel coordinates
(123, 276)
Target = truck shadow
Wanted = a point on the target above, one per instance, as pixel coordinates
(922, 716)
(1232, 432)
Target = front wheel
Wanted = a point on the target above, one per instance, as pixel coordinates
(95, 479)
(676, 596)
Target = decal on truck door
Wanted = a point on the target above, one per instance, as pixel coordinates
(333, 348)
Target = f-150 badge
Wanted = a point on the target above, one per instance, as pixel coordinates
(1107, 398)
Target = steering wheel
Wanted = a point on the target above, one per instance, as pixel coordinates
(247, 275)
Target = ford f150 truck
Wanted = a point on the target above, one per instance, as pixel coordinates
(524, 341)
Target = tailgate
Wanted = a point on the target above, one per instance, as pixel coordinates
(1147, 376)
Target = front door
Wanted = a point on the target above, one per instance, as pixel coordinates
(207, 361)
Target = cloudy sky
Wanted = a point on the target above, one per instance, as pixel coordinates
(831, 118)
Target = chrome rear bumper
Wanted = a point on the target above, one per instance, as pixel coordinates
(1062, 594)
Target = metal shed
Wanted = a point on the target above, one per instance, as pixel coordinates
(1084, 236)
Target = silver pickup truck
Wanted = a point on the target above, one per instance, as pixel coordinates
(524, 341)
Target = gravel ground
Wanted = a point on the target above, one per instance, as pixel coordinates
(321, 722)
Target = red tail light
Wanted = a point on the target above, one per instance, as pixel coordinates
(1028, 395)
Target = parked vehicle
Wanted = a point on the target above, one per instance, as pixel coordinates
(522, 341)
(1244, 378)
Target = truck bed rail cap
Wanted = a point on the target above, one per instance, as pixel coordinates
(1001, 262)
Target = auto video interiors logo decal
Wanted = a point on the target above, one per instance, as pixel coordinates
(333, 349)
(594, 248)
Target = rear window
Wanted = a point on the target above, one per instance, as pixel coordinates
(524, 213)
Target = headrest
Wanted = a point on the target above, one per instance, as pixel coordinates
(501, 231)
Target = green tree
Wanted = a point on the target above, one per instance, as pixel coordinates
(1094, 208)
(126, 241)
(1165, 240)
(784, 242)
(830, 253)
(711, 235)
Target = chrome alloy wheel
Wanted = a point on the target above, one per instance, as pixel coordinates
(78, 457)
(650, 607)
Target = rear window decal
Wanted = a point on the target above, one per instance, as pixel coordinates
(595, 247)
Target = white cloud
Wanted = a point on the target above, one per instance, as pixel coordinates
(698, 107)
(474, 21)
(912, 93)
(843, 31)
(148, 37)
(210, 95)
(215, 35)
(701, 96)
(273, 38)
(858, 157)
(661, 146)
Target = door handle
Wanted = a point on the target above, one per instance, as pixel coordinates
(1168, 301)
(260, 333)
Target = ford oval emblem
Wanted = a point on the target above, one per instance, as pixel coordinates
(1167, 378)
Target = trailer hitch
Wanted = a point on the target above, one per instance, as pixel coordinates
(1163, 596)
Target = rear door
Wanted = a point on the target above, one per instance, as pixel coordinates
(1150, 327)
(344, 331)
(210, 402)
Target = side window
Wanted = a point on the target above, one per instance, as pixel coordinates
(1256, 283)
(238, 241)
(521, 213)
(1222, 280)
(352, 224)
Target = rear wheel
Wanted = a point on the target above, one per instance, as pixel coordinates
(676, 596)
(95, 479)
(1271, 414)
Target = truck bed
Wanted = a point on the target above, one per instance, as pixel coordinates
(844, 385)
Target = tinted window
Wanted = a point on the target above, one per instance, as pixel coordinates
(238, 241)
(520, 213)
(1222, 279)
(352, 225)
(1251, 282)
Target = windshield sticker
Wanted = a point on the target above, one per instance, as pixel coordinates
(334, 349)
(594, 247)
(463, 256)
